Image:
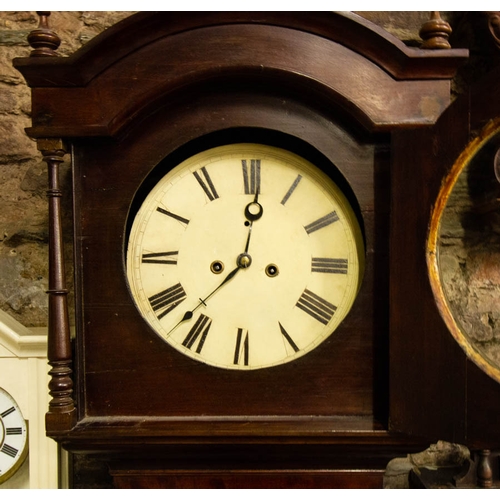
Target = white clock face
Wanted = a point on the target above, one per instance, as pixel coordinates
(13, 436)
(245, 256)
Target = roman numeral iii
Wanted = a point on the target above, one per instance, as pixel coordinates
(317, 307)
(206, 183)
(251, 176)
(167, 300)
(331, 266)
(12, 431)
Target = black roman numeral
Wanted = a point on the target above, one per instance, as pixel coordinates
(160, 258)
(317, 307)
(206, 183)
(294, 185)
(201, 327)
(9, 450)
(12, 431)
(241, 350)
(251, 176)
(326, 265)
(322, 222)
(7, 412)
(168, 299)
(174, 216)
(288, 338)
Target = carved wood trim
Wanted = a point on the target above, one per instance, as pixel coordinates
(144, 28)
(156, 57)
(61, 415)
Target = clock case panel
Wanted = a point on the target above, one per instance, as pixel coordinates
(454, 399)
(338, 376)
(331, 87)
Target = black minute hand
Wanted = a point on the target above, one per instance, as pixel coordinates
(189, 314)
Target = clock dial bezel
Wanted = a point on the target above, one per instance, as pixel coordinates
(13, 435)
(309, 302)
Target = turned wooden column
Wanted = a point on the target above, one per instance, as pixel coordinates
(61, 414)
(484, 471)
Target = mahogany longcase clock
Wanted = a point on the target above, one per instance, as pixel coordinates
(238, 212)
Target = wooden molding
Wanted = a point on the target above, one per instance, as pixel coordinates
(22, 342)
(163, 46)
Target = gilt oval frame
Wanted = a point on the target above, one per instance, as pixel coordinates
(491, 129)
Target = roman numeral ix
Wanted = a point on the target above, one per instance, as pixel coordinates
(331, 266)
(251, 176)
(160, 258)
(317, 307)
(322, 222)
(206, 183)
(200, 328)
(168, 299)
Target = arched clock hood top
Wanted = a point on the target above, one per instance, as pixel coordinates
(149, 56)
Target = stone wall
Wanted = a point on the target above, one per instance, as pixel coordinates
(23, 176)
(23, 179)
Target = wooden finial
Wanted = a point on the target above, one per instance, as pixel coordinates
(484, 472)
(43, 40)
(435, 33)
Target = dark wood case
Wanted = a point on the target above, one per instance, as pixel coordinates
(159, 87)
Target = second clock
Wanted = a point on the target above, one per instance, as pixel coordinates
(245, 256)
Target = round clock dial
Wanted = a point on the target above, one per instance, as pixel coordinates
(13, 436)
(245, 256)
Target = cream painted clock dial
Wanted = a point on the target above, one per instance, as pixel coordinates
(245, 256)
(13, 436)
